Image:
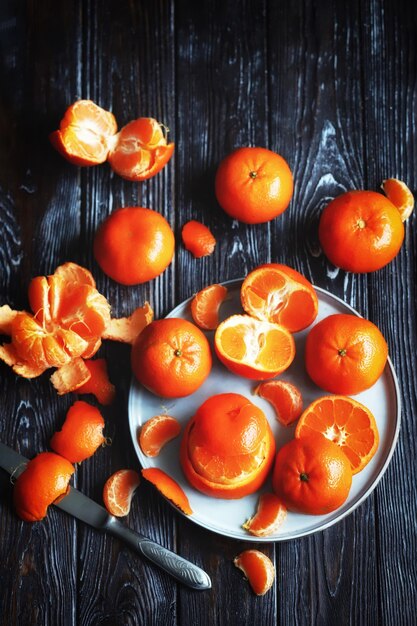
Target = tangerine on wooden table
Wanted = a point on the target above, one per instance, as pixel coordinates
(400, 195)
(44, 481)
(134, 245)
(205, 306)
(361, 231)
(198, 239)
(253, 348)
(345, 421)
(228, 448)
(258, 569)
(269, 517)
(81, 433)
(312, 475)
(156, 432)
(277, 293)
(254, 185)
(171, 357)
(345, 354)
(118, 491)
(285, 398)
(168, 487)
(98, 384)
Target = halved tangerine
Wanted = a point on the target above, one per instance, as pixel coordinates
(205, 306)
(156, 432)
(253, 348)
(168, 487)
(258, 569)
(400, 195)
(344, 421)
(118, 491)
(279, 294)
(269, 517)
(285, 398)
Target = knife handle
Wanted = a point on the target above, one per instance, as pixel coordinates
(182, 570)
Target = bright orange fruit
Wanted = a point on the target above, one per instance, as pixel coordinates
(269, 517)
(168, 487)
(81, 433)
(198, 239)
(156, 432)
(346, 422)
(205, 306)
(252, 348)
(258, 569)
(400, 195)
(118, 491)
(284, 397)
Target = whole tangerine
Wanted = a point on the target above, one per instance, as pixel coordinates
(254, 185)
(134, 245)
(361, 231)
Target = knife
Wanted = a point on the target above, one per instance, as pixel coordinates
(88, 511)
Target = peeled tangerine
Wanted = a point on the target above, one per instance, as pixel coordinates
(228, 447)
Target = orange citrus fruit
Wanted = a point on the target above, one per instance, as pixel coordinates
(361, 231)
(156, 432)
(198, 239)
(44, 481)
(269, 517)
(171, 357)
(400, 195)
(346, 422)
(277, 293)
(258, 569)
(205, 306)
(118, 491)
(134, 245)
(254, 185)
(312, 475)
(345, 354)
(228, 448)
(253, 348)
(285, 398)
(168, 487)
(81, 433)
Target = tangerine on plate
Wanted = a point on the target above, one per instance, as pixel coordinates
(254, 185)
(345, 354)
(118, 491)
(228, 448)
(400, 195)
(312, 475)
(279, 294)
(156, 432)
(134, 245)
(81, 433)
(345, 421)
(168, 487)
(285, 398)
(44, 481)
(361, 231)
(205, 306)
(252, 348)
(258, 569)
(269, 517)
(171, 357)
(198, 239)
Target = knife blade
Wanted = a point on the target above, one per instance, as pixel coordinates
(87, 510)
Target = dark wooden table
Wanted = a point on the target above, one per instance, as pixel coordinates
(330, 86)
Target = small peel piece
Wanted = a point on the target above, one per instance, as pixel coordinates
(81, 433)
(98, 384)
(71, 376)
(156, 432)
(400, 195)
(258, 569)
(118, 491)
(269, 517)
(126, 329)
(285, 398)
(7, 316)
(198, 239)
(168, 487)
(206, 304)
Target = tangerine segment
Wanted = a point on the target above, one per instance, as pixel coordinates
(277, 293)
(312, 475)
(73, 273)
(156, 432)
(168, 487)
(81, 308)
(81, 433)
(253, 348)
(198, 239)
(205, 306)
(118, 491)
(346, 422)
(7, 316)
(269, 517)
(258, 569)
(36, 346)
(400, 195)
(44, 481)
(38, 295)
(126, 329)
(285, 398)
(98, 384)
(140, 150)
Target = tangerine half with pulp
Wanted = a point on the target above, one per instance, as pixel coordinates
(228, 448)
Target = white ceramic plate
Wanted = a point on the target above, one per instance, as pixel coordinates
(227, 516)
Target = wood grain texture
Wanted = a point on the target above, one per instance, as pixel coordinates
(331, 87)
